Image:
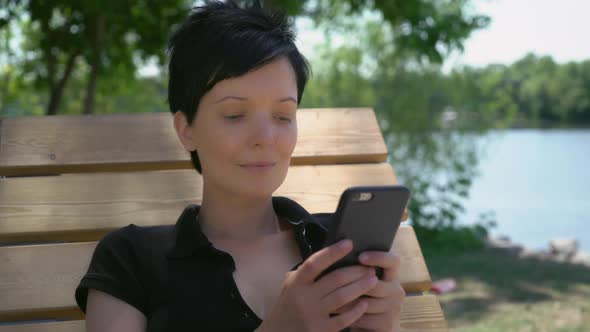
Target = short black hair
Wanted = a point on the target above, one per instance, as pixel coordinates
(221, 40)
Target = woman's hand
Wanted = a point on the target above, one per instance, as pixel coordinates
(307, 304)
(386, 298)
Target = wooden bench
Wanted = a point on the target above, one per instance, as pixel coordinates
(68, 180)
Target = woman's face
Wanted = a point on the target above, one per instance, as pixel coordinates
(245, 130)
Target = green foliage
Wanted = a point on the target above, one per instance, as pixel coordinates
(91, 41)
(425, 29)
(131, 29)
(451, 240)
(437, 160)
(534, 91)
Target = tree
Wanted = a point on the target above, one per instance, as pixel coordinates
(532, 92)
(108, 38)
(102, 38)
(426, 29)
(436, 161)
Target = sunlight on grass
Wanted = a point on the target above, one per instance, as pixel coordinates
(499, 292)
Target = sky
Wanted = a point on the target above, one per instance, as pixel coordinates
(560, 28)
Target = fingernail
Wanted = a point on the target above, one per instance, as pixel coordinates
(363, 257)
(345, 244)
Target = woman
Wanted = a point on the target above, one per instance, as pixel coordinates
(244, 259)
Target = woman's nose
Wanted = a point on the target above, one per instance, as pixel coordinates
(263, 132)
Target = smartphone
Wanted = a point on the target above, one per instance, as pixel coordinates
(369, 216)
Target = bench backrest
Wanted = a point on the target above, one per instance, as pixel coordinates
(71, 179)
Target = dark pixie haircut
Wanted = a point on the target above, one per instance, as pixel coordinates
(219, 41)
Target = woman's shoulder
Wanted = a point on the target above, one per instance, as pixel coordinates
(123, 264)
(139, 237)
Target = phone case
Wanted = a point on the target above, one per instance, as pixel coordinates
(370, 223)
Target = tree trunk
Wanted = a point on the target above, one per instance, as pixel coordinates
(91, 89)
(8, 76)
(95, 65)
(57, 89)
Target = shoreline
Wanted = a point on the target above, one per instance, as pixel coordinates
(561, 250)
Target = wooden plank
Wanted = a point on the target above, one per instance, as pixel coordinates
(419, 314)
(147, 141)
(67, 326)
(422, 313)
(38, 279)
(83, 207)
(1, 120)
(414, 273)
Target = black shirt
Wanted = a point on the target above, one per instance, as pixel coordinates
(177, 279)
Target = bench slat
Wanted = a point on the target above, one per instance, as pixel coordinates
(422, 313)
(39, 278)
(147, 141)
(419, 314)
(67, 326)
(83, 207)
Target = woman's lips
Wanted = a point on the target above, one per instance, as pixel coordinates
(258, 166)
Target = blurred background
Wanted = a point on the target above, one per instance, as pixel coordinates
(484, 104)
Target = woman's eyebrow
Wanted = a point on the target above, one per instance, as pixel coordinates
(281, 100)
(230, 97)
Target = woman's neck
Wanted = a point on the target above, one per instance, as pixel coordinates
(235, 217)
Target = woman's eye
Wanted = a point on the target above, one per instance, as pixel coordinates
(238, 116)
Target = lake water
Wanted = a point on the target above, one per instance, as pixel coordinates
(538, 184)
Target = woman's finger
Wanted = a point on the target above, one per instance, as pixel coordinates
(348, 293)
(345, 319)
(341, 277)
(387, 289)
(389, 261)
(377, 322)
(375, 305)
(315, 264)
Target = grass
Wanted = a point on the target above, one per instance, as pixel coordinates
(500, 292)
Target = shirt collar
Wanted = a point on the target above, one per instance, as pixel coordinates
(189, 237)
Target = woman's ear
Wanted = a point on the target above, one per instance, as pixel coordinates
(184, 131)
